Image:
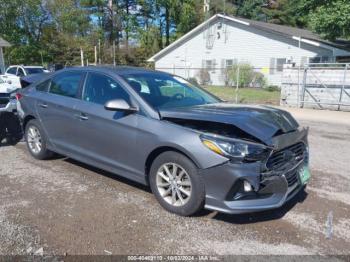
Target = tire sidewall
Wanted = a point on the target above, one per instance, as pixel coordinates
(43, 154)
(196, 201)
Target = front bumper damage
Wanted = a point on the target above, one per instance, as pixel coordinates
(271, 188)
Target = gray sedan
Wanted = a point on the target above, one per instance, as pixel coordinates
(192, 149)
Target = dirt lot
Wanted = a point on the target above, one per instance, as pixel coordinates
(66, 207)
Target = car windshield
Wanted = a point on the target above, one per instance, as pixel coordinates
(34, 70)
(167, 91)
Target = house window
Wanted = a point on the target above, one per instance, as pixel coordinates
(280, 63)
(229, 63)
(320, 59)
(208, 64)
(315, 60)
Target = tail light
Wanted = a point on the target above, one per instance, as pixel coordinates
(18, 96)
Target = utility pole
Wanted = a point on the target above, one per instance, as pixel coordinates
(114, 62)
(299, 68)
(99, 51)
(206, 8)
(82, 56)
(42, 59)
(95, 55)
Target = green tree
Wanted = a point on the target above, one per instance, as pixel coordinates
(252, 9)
(332, 20)
(187, 15)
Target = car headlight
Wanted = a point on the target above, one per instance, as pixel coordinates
(236, 150)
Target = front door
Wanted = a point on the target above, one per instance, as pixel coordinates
(106, 137)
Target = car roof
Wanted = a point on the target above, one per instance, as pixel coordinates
(25, 66)
(119, 70)
(33, 67)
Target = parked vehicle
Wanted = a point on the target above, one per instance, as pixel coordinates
(158, 129)
(9, 123)
(15, 72)
(6, 103)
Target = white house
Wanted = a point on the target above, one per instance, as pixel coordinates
(222, 41)
(3, 44)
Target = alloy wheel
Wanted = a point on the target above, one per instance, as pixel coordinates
(174, 184)
(34, 139)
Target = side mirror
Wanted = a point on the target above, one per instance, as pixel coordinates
(120, 105)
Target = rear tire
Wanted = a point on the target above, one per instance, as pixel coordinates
(176, 184)
(36, 141)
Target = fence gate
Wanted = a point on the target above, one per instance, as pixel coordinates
(327, 86)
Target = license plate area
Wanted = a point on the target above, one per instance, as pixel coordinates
(304, 174)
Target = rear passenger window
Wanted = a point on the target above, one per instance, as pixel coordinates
(66, 84)
(100, 89)
(44, 86)
(12, 70)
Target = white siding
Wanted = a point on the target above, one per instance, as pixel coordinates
(242, 43)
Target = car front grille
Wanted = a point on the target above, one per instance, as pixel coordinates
(293, 153)
(292, 177)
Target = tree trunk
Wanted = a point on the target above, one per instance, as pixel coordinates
(160, 39)
(167, 26)
(127, 25)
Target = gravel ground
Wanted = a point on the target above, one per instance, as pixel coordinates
(61, 206)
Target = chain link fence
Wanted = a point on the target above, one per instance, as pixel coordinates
(321, 85)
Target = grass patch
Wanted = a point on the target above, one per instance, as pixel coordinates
(246, 95)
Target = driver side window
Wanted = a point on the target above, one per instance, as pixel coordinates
(100, 89)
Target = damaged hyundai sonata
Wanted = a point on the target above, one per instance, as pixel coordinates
(194, 150)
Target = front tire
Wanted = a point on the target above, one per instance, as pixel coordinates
(36, 141)
(176, 184)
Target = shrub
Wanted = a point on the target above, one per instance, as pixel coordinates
(273, 88)
(259, 80)
(204, 76)
(247, 76)
(193, 80)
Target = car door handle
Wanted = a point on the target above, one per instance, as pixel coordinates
(82, 116)
(43, 105)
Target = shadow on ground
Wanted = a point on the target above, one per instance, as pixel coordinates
(10, 129)
(108, 174)
(265, 215)
(234, 219)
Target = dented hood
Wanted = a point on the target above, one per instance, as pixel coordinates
(261, 122)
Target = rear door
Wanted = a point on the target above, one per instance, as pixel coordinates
(106, 137)
(57, 113)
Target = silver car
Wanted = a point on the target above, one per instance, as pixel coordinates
(192, 149)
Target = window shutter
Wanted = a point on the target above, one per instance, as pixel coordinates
(213, 64)
(272, 65)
